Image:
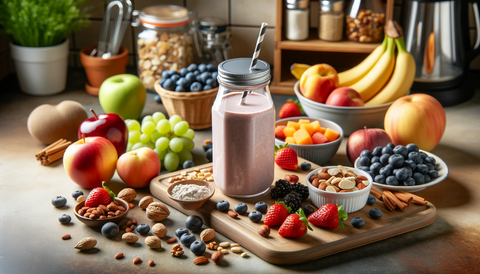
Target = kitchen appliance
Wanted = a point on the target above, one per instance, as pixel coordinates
(437, 35)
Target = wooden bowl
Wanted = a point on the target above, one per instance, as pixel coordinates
(191, 205)
(98, 223)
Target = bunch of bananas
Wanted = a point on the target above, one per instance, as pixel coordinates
(382, 77)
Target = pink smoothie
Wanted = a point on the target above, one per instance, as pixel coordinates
(243, 144)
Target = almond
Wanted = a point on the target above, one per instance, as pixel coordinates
(324, 170)
(313, 177)
(361, 186)
(131, 205)
(129, 237)
(127, 194)
(207, 235)
(237, 249)
(292, 178)
(330, 189)
(157, 211)
(137, 260)
(171, 240)
(232, 214)
(217, 257)
(145, 201)
(153, 242)
(112, 207)
(86, 243)
(151, 263)
(346, 184)
(119, 256)
(323, 185)
(324, 176)
(201, 260)
(316, 182)
(66, 237)
(160, 230)
(264, 230)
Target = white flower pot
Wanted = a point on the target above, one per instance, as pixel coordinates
(41, 71)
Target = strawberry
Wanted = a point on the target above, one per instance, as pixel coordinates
(329, 216)
(276, 214)
(290, 109)
(286, 157)
(100, 196)
(279, 132)
(294, 226)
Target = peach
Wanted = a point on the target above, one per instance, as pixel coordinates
(345, 97)
(318, 81)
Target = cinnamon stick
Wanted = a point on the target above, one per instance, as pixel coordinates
(417, 199)
(387, 203)
(56, 155)
(394, 199)
(376, 194)
(39, 154)
(404, 197)
(57, 148)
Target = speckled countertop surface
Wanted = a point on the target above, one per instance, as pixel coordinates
(30, 235)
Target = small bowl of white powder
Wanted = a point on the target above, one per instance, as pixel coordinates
(191, 194)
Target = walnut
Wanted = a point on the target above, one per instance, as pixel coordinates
(127, 194)
(153, 242)
(145, 201)
(157, 211)
(160, 230)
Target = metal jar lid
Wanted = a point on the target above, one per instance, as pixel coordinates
(297, 4)
(212, 24)
(164, 16)
(331, 5)
(236, 72)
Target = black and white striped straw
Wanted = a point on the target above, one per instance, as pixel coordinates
(256, 53)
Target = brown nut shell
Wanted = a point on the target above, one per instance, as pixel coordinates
(145, 201)
(153, 242)
(207, 235)
(127, 194)
(160, 230)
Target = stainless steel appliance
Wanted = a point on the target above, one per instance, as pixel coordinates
(437, 35)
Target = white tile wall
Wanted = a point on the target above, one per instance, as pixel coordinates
(89, 36)
(245, 38)
(140, 4)
(214, 8)
(253, 12)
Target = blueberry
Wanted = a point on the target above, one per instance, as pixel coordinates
(162, 81)
(377, 151)
(396, 160)
(308, 209)
(179, 89)
(223, 205)
(410, 164)
(202, 68)
(199, 79)
(180, 231)
(207, 146)
(207, 87)
(175, 77)
(375, 213)
(157, 99)
(190, 77)
(386, 170)
(241, 208)
(419, 179)
(412, 148)
(364, 168)
(169, 85)
(110, 229)
(433, 174)
(192, 67)
(391, 145)
(364, 161)
(143, 229)
(77, 193)
(371, 174)
(427, 178)
(64, 219)
(430, 166)
(198, 248)
(196, 73)
(409, 182)
(380, 179)
(214, 84)
(188, 164)
(165, 74)
(255, 216)
(375, 167)
(211, 67)
(187, 239)
(183, 82)
(215, 75)
(209, 82)
(366, 153)
(305, 166)
(371, 200)
(401, 150)
(401, 174)
(387, 150)
(261, 207)
(430, 160)
(194, 223)
(423, 155)
(183, 72)
(375, 159)
(357, 222)
(391, 181)
(208, 154)
(59, 201)
(384, 159)
(206, 75)
(196, 86)
(394, 171)
(422, 168)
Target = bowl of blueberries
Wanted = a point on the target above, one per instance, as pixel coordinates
(190, 93)
(402, 168)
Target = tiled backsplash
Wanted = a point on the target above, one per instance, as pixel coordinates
(243, 16)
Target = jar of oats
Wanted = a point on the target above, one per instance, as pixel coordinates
(365, 20)
(164, 42)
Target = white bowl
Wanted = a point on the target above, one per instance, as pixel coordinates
(351, 201)
(440, 166)
(350, 119)
(319, 154)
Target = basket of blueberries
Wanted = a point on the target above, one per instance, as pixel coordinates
(190, 93)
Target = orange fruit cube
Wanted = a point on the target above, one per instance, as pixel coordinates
(322, 130)
(295, 125)
(289, 131)
(290, 140)
(331, 134)
(303, 121)
(316, 126)
(302, 137)
(308, 128)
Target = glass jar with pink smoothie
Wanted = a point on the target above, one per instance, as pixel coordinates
(243, 131)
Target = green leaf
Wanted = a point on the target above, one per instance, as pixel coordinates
(342, 215)
(295, 101)
(112, 195)
(287, 207)
(304, 219)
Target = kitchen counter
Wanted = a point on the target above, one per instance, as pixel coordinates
(30, 237)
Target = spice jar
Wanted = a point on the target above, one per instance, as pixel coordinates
(365, 20)
(165, 41)
(331, 17)
(215, 39)
(297, 19)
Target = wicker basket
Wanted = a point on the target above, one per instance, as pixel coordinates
(193, 107)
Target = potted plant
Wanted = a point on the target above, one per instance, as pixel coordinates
(38, 30)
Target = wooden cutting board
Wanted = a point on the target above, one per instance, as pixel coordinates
(317, 243)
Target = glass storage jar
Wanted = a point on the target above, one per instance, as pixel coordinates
(215, 39)
(365, 20)
(165, 41)
(331, 18)
(297, 19)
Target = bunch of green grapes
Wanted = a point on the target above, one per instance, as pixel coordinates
(171, 139)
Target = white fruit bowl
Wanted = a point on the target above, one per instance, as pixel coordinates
(351, 201)
(349, 118)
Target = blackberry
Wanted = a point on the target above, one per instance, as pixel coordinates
(281, 189)
(293, 200)
(301, 189)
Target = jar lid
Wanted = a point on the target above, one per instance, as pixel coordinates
(164, 16)
(236, 72)
(331, 5)
(213, 24)
(297, 4)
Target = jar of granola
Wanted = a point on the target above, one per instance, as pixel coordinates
(165, 41)
(365, 20)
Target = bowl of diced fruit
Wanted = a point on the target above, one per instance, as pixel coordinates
(189, 93)
(316, 140)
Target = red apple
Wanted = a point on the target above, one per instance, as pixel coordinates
(366, 139)
(90, 161)
(108, 125)
(345, 97)
(317, 82)
(417, 118)
(138, 167)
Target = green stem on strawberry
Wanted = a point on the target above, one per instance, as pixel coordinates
(287, 207)
(112, 195)
(304, 219)
(296, 103)
(342, 215)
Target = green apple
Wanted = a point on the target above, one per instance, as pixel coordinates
(123, 94)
